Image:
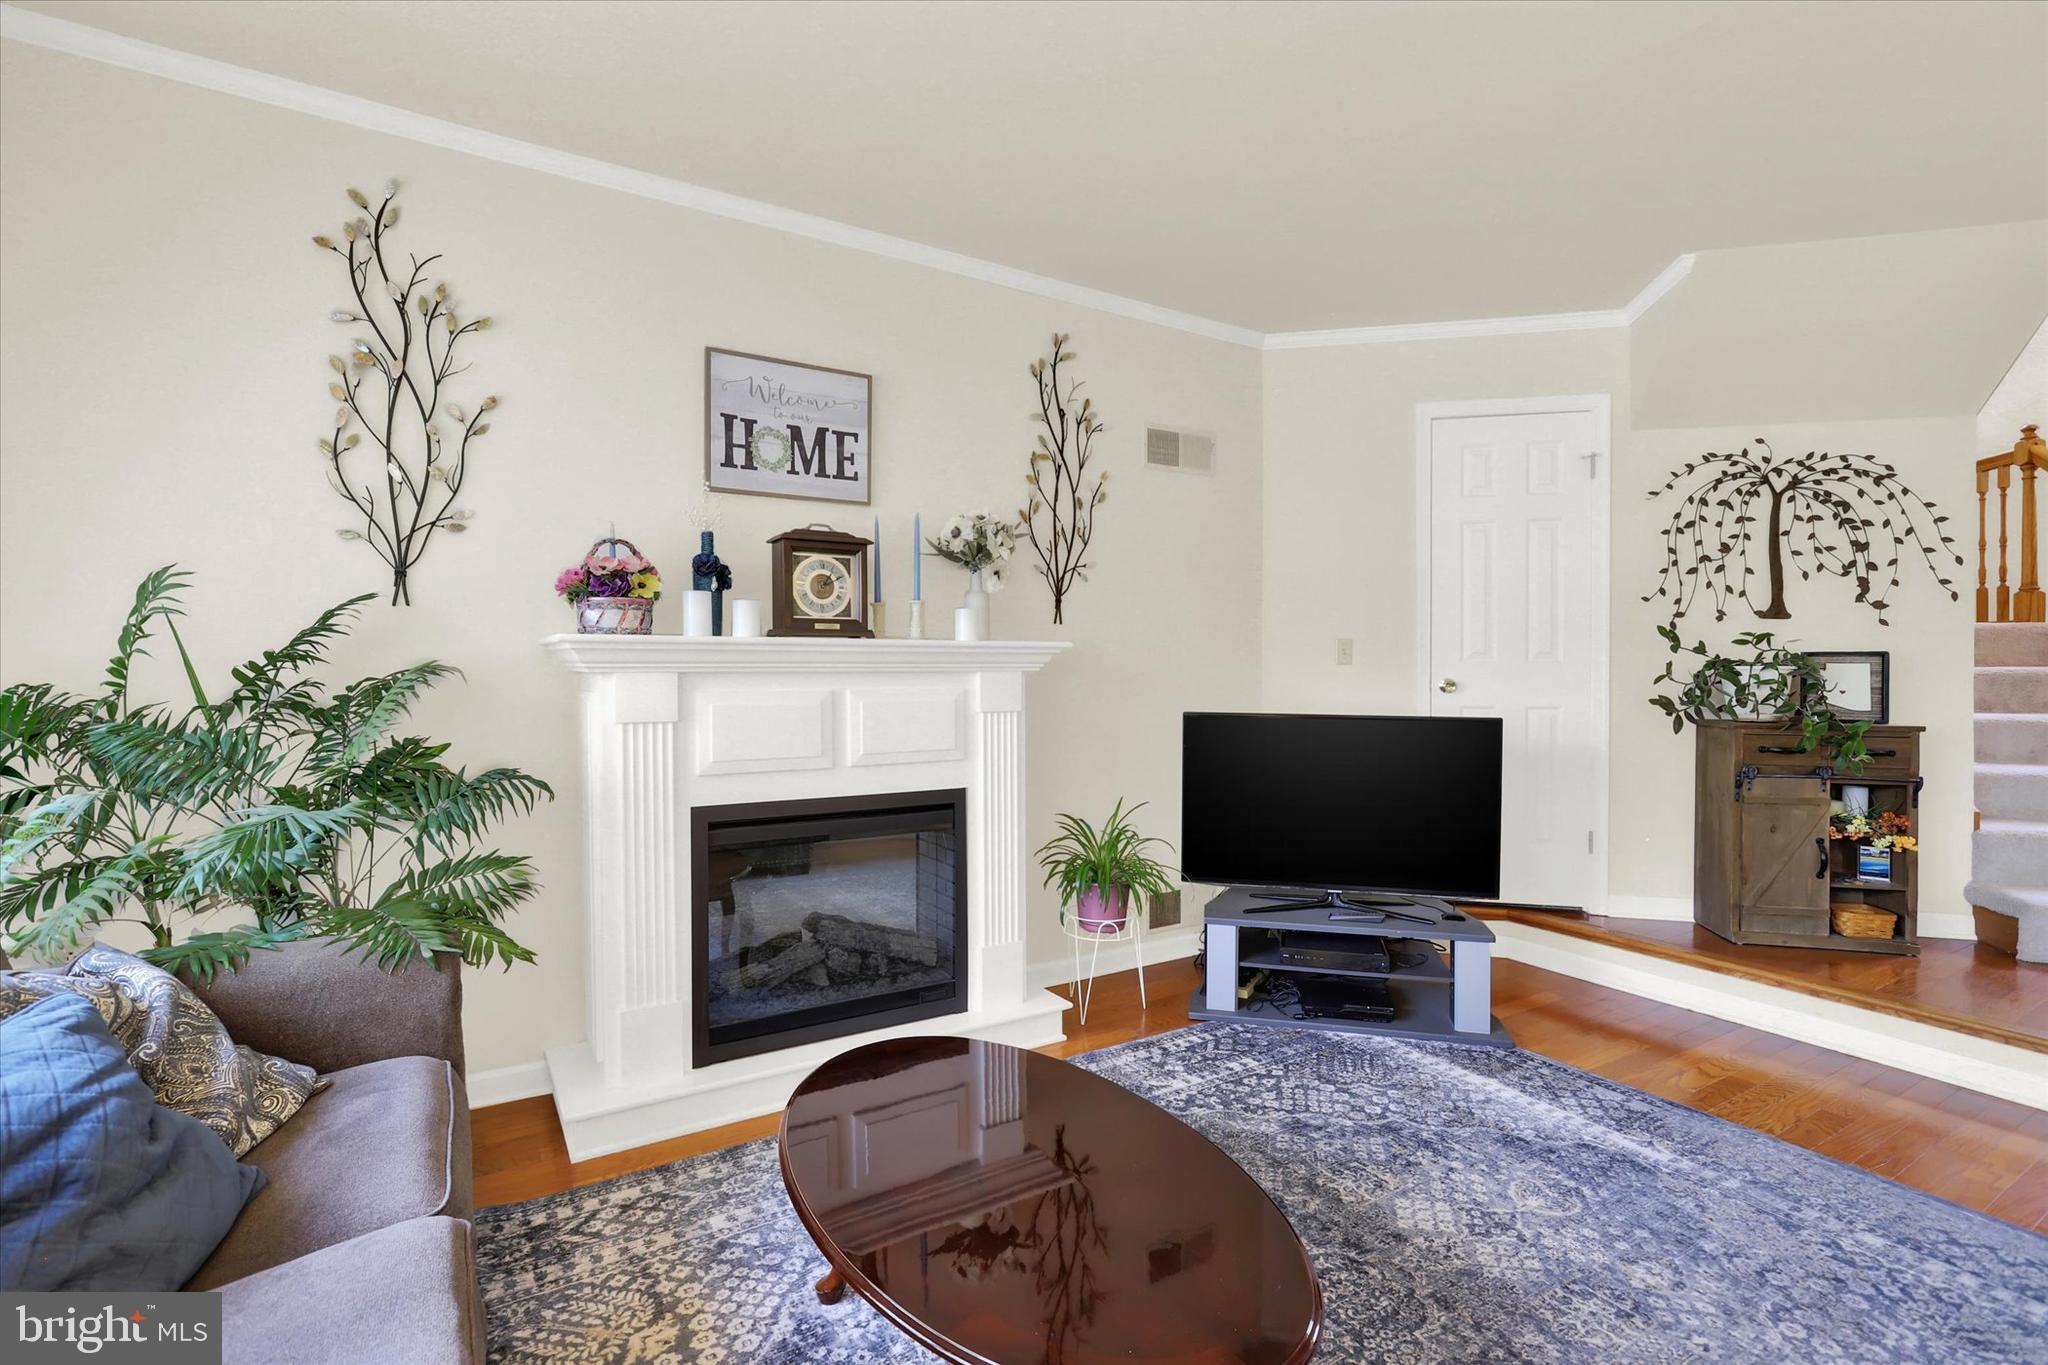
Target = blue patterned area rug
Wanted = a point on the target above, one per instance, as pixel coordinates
(1460, 1204)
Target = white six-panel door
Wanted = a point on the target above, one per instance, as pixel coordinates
(1515, 600)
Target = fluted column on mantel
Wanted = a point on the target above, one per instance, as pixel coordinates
(996, 846)
(638, 945)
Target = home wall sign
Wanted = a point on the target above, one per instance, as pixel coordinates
(786, 430)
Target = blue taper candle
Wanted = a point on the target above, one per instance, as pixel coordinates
(877, 551)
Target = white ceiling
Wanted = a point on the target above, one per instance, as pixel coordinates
(1277, 166)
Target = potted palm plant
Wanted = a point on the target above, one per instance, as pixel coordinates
(1098, 870)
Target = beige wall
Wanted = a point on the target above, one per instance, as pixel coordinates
(1929, 643)
(162, 334)
(1340, 496)
(1340, 530)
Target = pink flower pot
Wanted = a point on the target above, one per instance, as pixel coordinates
(1099, 914)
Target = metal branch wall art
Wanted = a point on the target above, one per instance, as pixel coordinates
(1845, 515)
(403, 483)
(1059, 519)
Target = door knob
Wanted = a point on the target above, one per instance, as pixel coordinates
(1447, 685)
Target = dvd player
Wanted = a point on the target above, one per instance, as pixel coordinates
(1337, 952)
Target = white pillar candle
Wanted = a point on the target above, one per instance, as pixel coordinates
(746, 617)
(696, 613)
(966, 623)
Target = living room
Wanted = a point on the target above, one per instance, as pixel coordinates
(1553, 484)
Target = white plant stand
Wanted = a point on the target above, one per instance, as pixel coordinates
(1132, 931)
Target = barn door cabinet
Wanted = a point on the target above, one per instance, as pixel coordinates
(1764, 869)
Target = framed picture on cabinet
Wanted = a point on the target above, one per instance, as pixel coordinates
(1859, 684)
(786, 430)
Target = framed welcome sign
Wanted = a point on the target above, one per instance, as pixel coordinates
(785, 430)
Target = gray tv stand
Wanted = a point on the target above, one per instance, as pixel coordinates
(1432, 1002)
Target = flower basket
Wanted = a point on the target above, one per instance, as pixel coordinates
(613, 589)
(614, 616)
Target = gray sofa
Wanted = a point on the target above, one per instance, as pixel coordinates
(359, 1248)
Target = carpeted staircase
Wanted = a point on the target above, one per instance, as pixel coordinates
(2009, 852)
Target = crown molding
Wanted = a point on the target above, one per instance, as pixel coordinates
(1446, 331)
(1525, 325)
(82, 40)
(1666, 281)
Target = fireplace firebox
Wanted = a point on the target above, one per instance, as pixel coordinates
(819, 918)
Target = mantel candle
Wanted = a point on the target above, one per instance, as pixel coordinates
(917, 557)
(876, 550)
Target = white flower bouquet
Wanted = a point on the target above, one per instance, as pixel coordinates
(979, 544)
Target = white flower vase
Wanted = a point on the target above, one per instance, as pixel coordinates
(975, 599)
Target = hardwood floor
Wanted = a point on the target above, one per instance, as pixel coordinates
(1953, 984)
(1981, 1152)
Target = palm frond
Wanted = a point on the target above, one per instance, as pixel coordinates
(158, 760)
(206, 955)
(261, 846)
(475, 885)
(454, 806)
(261, 680)
(53, 819)
(366, 711)
(156, 598)
(392, 932)
(62, 903)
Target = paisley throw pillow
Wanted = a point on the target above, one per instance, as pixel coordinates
(179, 1047)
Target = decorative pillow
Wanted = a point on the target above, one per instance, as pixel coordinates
(100, 1186)
(176, 1043)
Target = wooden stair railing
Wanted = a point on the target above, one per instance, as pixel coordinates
(2029, 455)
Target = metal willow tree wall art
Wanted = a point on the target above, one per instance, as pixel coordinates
(1059, 519)
(403, 483)
(1844, 515)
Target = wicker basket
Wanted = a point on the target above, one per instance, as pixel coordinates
(614, 615)
(1853, 919)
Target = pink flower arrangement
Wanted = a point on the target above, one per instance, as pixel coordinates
(627, 575)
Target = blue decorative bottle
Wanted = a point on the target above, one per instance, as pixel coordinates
(708, 574)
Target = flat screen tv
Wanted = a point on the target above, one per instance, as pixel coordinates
(1402, 804)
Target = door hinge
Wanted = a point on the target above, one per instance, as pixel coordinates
(1592, 459)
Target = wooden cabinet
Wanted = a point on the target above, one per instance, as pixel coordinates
(1764, 870)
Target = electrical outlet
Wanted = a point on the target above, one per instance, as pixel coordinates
(1344, 650)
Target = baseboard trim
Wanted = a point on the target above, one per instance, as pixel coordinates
(1649, 907)
(1948, 924)
(1981, 1064)
(503, 1084)
(1167, 945)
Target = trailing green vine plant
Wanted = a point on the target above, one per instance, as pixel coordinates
(295, 806)
(1770, 681)
(404, 483)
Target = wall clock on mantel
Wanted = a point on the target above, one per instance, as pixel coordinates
(821, 583)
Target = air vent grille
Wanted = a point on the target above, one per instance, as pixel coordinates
(1166, 448)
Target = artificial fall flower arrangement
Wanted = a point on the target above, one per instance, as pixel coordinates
(605, 575)
(1882, 830)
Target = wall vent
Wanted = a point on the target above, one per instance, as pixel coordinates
(1169, 449)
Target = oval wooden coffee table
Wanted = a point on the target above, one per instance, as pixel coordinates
(1005, 1207)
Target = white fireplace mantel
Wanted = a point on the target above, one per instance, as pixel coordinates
(673, 722)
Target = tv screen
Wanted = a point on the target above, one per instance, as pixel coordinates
(1407, 804)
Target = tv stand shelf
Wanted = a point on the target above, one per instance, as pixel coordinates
(1422, 1010)
(1431, 971)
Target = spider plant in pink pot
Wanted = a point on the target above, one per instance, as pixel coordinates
(1099, 870)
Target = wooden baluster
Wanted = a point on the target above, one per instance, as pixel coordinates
(2031, 604)
(2004, 592)
(1983, 593)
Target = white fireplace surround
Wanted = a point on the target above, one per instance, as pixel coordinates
(673, 722)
